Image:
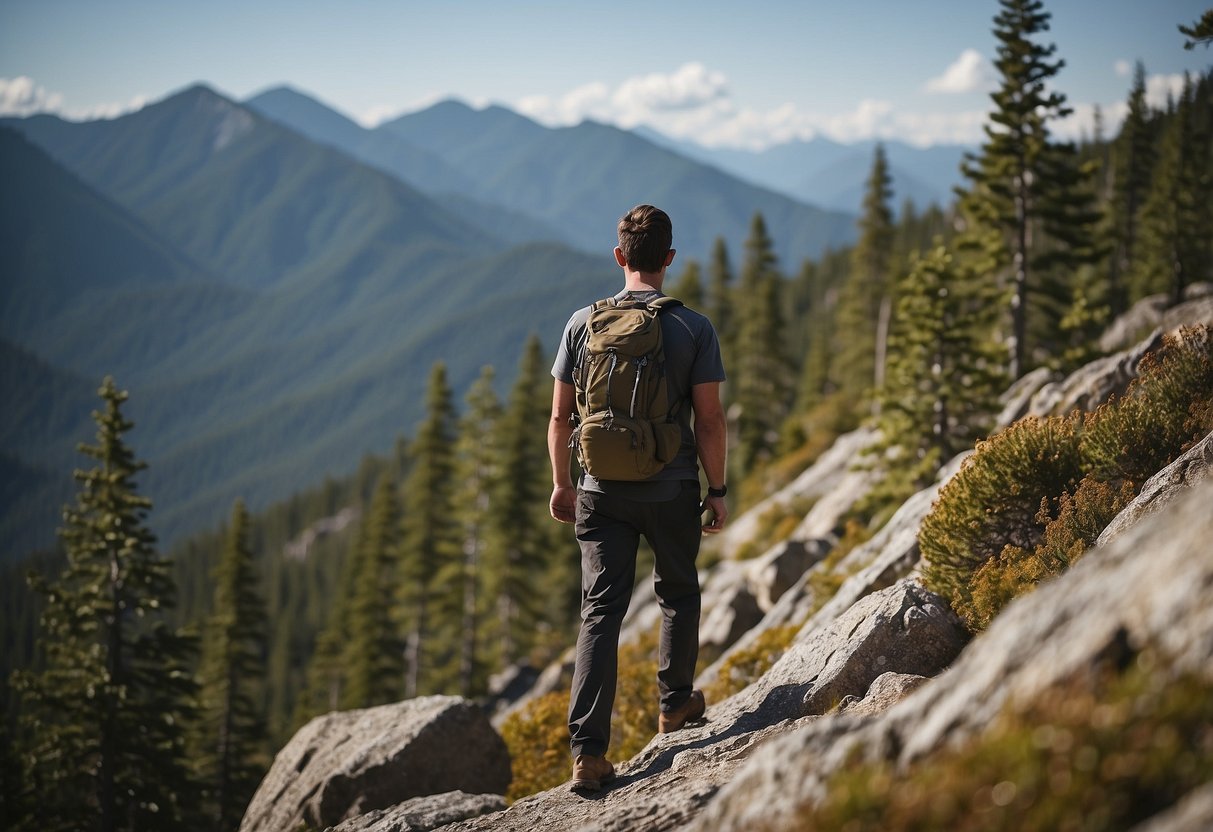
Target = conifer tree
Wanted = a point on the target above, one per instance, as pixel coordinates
(477, 461)
(105, 718)
(688, 288)
(431, 535)
(1027, 206)
(763, 382)
(865, 305)
(520, 554)
(373, 655)
(720, 299)
(230, 744)
(1133, 164)
(1177, 219)
(944, 376)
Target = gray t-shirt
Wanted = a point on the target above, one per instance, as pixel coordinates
(692, 356)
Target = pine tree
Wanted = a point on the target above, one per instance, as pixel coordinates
(230, 744)
(944, 376)
(720, 299)
(1027, 207)
(520, 555)
(105, 717)
(1177, 219)
(431, 536)
(477, 463)
(1133, 163)
(688, 288)
(865, 304)
(763, 374)
(373, 655)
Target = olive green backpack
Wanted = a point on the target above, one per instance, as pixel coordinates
(624, 428)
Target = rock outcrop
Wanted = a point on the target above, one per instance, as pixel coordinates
(1114, 603)
(347, 763)
(422, 814)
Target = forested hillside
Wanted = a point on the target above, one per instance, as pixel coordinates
(356, 377)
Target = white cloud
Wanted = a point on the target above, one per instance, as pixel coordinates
(695, 103)
(21, 97)
(1123, 68)
(1160, 87)
(968, 73)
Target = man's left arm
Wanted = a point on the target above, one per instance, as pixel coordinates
(564, 496)
(711, 444)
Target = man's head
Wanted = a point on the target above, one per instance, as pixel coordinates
(645, 235)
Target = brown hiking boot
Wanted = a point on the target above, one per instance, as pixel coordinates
(591, 773)
(690, 711)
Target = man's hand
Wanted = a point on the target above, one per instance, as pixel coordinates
(720, 513)
(563, 504)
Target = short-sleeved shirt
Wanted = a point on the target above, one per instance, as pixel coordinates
(692, 356)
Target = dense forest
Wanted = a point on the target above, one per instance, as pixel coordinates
(147, 689)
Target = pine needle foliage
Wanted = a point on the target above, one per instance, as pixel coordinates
(943, 378)
(1070, 529)
(995, 501)
(104, 721)
(373, 652)
(230, 744)
(1166, 408)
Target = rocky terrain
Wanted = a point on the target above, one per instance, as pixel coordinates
(881, 671)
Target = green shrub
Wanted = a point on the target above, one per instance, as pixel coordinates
(1079, 520)
(538, 740)
(1167, 408)
(1076, 759)
(744, 667)
(996, 501)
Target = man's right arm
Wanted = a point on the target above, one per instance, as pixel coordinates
(564, 496)
(711, 443)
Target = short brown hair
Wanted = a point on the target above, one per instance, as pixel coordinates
(645, 237)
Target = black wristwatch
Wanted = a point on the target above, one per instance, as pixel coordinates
(718, 492)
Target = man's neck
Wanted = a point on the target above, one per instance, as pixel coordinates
(643, 281)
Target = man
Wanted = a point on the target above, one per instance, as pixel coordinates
(611, 516)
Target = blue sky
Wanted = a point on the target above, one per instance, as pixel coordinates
(735, 74)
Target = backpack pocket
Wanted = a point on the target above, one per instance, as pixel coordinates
(613, 447)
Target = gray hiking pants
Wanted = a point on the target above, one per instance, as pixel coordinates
(608, 531)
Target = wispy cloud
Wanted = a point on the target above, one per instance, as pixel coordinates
(1123, 68)
(970, 72)
(22, 96)
(695, 102)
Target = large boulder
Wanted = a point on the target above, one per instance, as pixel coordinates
(1147, 589)
(1155, 312)
(347, 763)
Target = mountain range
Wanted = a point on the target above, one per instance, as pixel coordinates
(272, 282)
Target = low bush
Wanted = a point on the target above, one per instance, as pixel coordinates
(996, 501)
(538, 740)
(1166, 408)
(1077, 759)
(1078, 522)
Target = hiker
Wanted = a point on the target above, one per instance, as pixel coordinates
(612, 512)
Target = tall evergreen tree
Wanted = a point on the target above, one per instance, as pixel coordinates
(1027, 207)
(688, 288)
(431, 535)
(520, 554)
(865, 304)
(763, 370)
(720, 299)
(373, 654)
(944, 375)
(1132, 168)
(105, 718)
(230, 745)
(1177, 220)
(477, 463)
